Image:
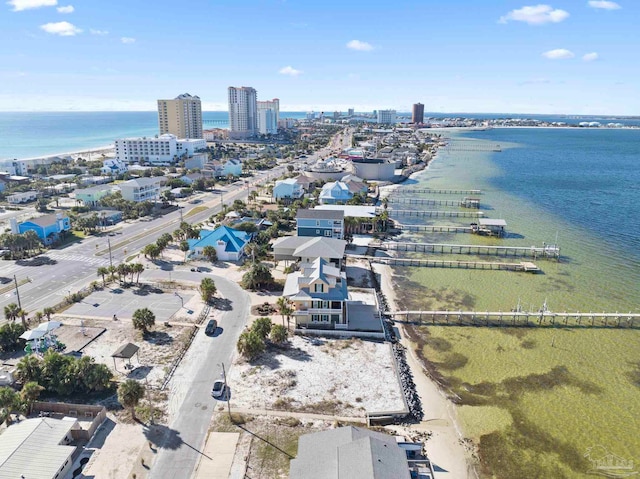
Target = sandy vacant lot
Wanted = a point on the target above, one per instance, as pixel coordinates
(325, 376)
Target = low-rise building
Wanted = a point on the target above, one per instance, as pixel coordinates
(91, 196)
(229, 243)
(25, 197)
(113, 167)
(47, 227)
(335, 192)
(287, 189)
(305, 249)
(326, 223)
(141, 189)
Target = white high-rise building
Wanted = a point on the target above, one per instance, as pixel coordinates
(181, 116)
(243, 113)
(268, 116)
(387, 117)
(158, 150)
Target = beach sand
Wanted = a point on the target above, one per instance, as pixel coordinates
(95, 154)
(447, 448)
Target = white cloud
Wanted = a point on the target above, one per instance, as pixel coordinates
(360, 46)
(535, 15)
(590, 57)
(64, 29)
(19, 5)
(93, 31)
(127, 40)
(558, 54)
(67, 9)
(289, 70)
(604, 5)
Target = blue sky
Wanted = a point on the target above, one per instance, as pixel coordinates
(579, 57)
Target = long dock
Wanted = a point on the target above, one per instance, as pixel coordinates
(519, 318)
(545, 251)
(465, 203)
(434, 191)
(433, 228)
(525, 267)
(435, 214)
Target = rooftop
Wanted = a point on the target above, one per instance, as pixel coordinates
(327, 214)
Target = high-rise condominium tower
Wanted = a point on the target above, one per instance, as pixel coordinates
(243, 113)
(417, 115)
(268, 116)
(181, 116)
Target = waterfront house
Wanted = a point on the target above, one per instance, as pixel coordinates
(141, 189)
(47, 227)
(327, 223)
(229, 243)
(335, 192)
(305, 249)
(288, 189)
(358, 219)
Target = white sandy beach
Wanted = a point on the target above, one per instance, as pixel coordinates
(95, 153)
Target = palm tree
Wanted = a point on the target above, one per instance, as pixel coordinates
(285, 308)
(143, 319)
(48, 312)
(30, 393)
(29, 368)
(207, 289)
(38, 315)
(11, 311)
(184, 246)
(129, 394)
(210, 253)
(138, 269)
(103, 271)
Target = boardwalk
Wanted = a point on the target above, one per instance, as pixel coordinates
(519, 318)
(544, 251)
(433, 228)
(465, 203)
(435, 214)
(416, 191)
(524, 266)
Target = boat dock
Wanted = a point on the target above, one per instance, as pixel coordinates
(465, 203)
(544, 251)
(433, 228)
(519, 318)
(524, 266)
(435, 214)
(416, 191)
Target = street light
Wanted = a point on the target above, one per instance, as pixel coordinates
(226, 390)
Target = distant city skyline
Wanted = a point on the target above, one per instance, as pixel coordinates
(563, 57)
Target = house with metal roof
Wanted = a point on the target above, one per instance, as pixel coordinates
(37, 449)
(47, 227)
(352, 452)
(305, 249)
(229, 243)
(287, 189)
(335, 192)
(329, 224)
(141, 189)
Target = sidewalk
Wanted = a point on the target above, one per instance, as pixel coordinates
(217, 457)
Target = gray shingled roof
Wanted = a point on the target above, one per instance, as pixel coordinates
(320, 214)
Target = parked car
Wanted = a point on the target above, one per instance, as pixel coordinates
(4, 280)
(218, 389)
(196, 270)
(212, 325)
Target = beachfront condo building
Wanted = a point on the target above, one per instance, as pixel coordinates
(243, 113)
(386, 117)
(160, 150)
(268, 116)
(181, 116)
(417, 115)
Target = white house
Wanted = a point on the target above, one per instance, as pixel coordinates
(113, 166)
(288, 188)
(141, 189)
(17, 198)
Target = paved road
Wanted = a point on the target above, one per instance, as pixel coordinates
(190, 398)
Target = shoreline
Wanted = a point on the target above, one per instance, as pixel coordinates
(99, 150)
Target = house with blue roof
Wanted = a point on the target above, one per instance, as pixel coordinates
(229, 243)
(335, 192)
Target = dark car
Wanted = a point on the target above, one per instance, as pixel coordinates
(212, 325)
(5, 280)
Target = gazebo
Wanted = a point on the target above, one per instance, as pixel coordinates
(126, 351)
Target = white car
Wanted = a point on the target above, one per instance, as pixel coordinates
(218, 389)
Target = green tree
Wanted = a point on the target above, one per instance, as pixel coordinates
(262, 327)
(250, 345)
(30, 393)
(55, 373)
(143, 319)
(103, 271)
(129, 394)
(210, 253)
(257, 277)
(138, 269)
(184, 247)
(9, 402)
(48, 312)
(207, 289)
(29, 369)
(285, 308)
(11, 312)
(278, 334)
(151, 251)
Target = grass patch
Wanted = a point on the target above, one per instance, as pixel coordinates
(195, 211)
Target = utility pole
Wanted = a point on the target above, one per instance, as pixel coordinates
(20, 304)
(110, 257)
(226, 391)
(180, 208)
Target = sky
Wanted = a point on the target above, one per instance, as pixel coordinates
(562, 57)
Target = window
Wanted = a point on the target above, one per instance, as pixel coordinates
(318, 288)
(317, 232)
(327, 233)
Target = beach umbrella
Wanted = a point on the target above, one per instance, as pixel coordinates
(49, 326)
(32, 334)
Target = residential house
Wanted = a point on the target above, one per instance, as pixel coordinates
(47, 227)
(287, 189)
(326, 223)
(229, 243)
(38, 448)
(305, 249)
(25, 197)
(191, 178)
(318, 292)
(232, 167)
(335, 192)
(91, 196)
(355, 184)
(196, 162)
(141, 189)
(358, 219)
(113, 167)
(109, 217)
(356, 452)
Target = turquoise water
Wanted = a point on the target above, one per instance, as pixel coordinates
(28, 134)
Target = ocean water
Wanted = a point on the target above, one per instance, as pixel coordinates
(536, 401)
(29, 134)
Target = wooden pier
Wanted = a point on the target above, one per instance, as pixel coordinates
(525, 267)
(545, 251)
(435, 214)
(414, 191)
(433, 228)
(519, 318)
(465, 203)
